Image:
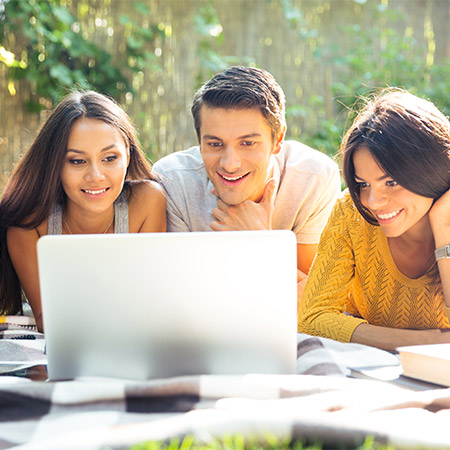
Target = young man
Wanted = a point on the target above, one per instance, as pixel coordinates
(243, 176)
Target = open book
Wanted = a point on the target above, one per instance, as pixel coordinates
(427, 362)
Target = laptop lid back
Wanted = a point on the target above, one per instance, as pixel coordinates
(152, 305)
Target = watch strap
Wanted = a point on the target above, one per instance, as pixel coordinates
(442, 252)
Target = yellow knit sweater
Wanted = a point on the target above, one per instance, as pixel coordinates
(354, 280)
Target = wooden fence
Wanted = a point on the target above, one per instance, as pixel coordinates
(296, 49)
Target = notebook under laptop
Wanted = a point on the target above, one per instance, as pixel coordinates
(154, 305)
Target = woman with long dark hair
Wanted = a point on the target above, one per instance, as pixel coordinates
(84, 173)
(382, 272)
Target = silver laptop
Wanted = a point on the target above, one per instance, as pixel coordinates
(152, 305)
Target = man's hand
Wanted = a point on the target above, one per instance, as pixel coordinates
(247, 215)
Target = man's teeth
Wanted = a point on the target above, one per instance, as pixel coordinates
(388, 215)
(233, 179)
(100, 191)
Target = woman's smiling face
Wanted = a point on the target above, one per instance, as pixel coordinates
(396, 209)
(95, 166)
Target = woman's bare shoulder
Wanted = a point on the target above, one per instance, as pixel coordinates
(20, 233)
(145, 189)
(42, 228)
(21, 240)
(147, 207)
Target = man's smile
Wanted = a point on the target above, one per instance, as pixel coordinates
(232, 181)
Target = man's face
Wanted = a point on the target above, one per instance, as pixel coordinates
(236, 146)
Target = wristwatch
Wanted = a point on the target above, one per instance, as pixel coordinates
(442, 252)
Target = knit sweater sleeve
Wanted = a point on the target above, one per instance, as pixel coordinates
(323, 305)
(447, 312)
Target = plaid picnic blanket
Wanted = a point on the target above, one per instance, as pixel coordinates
(113, 414)
(94, 413)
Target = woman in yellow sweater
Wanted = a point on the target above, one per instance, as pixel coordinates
(381, 276)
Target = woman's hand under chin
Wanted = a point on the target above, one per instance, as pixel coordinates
(440, 219)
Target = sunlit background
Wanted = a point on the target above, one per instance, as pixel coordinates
(152, 55)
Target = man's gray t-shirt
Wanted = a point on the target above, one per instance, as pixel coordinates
(308, 185)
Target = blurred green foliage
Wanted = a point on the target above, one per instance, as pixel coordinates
(375, 58)
(56, 56)
(209, 29)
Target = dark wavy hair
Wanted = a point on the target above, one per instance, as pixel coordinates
(35, 184)
(242, 88)
(409, 138)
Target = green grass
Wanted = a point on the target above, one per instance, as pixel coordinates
(238, 442)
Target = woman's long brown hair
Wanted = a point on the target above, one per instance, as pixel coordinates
(35, 184)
